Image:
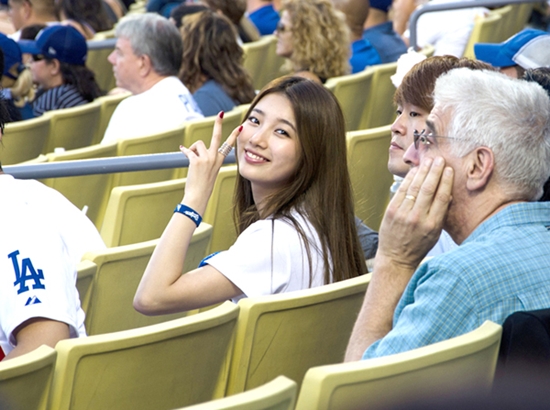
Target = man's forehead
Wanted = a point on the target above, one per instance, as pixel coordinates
(437, 120)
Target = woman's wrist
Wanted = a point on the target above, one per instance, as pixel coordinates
(189, 212)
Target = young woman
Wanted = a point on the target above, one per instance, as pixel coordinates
(293, 206)
(214, 75)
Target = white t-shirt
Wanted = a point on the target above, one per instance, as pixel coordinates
(269, 257)
(164, 106)
(448, 31)
(43, 238)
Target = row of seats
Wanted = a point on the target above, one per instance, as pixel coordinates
(232, 348)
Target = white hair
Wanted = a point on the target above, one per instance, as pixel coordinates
(509, 116)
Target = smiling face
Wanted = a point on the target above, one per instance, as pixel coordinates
(268, 148)
(283, 32)
(409, 118)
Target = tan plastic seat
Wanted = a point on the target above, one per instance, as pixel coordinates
(352, 91)
(255, 56)
(108, 106)
(278, 394)
(273, 63)
(25, 380)
(74, 127)
(368, 167)
(109, 308)
(456, 365)
(167, 141)
(486, 29)
(97, 186)
(98, 63)
(164, 366)
(287, 333)
(380, 110)
(219, 212)
(85, 273)
(137, 213)
(24, 140)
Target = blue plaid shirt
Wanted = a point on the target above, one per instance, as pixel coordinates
(502, 267)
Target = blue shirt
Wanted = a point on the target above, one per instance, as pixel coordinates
(501, 268)
(363, 54)
(386, 41)
(212, 98)
(265, 19)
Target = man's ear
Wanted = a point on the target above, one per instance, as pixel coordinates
(145, 65)
(481, 164)
(27, 9)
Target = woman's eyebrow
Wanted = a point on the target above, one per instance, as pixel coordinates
(278, 118)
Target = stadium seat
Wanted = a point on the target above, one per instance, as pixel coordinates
(457, 365)
(72, 128)
(278, 394)
(486, 29)
(273, 64)
(380, 109)
(287, 333)
(163, 366)
(25, 380)
(24, 140)
(368, 167)
(85, 273)
(119, 271)
(108, 105)
(98, 63)
(137, 213)
(98, 186)
(352, 93)
(255, 56)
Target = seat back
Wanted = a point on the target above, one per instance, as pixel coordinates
(97, 186)
(219, 212)
(287, 333)
(108, 106)
(486, 30)
(463, 363)
(368, 167)
(25, 380)
(24, 140)
(119, 271)
(255, 55)
(85, 274)
(273, 63)
(73, 127)
(137, 213)
(164, 366)
(167, 141)
(278, 394)
(98, 63)
(352, 92)
(379, 106)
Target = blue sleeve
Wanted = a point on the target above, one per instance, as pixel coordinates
(436, 305)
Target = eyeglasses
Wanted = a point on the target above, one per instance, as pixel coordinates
(281, 28)
(425, 138)
(38, 57)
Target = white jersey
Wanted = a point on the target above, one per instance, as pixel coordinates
(42, 240)
(269, 257)
(164, 106)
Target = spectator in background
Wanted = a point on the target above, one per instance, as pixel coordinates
(163, 7)
(234, 10)
(26, 12)
(178, 13)
(314, 38)
(263, 15)
(363, 54)
(17, 83)
(87, 16)
(527, 49)
(214, 74)
(146, 61)
(59, 68)
(379, 31)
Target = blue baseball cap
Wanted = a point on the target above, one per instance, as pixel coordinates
(529, 48)
(383, 5)
(64, 43)
(12, 56)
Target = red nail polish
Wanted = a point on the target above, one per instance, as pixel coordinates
(181, 146)
(221, 114)
(240, 128)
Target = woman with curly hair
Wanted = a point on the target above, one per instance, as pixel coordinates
(87, 16)
(212, 63)
(315, 39)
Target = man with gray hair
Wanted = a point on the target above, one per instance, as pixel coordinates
(146, 60)
(483, 160)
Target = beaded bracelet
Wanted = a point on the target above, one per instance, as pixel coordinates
(189, 212)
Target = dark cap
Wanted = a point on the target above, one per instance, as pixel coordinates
(63, 43)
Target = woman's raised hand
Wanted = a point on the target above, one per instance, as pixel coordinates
(204, 165)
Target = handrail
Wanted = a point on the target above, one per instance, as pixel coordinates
(103, 165)
(428, 8)
(101, 44)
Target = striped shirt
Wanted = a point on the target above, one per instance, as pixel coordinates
(64, 96)
(501, 268)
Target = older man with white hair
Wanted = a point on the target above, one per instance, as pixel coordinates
(484, 158)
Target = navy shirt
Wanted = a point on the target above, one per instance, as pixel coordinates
(386, 41)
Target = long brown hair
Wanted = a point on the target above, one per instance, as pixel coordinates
(320, 190)
(210, 49)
